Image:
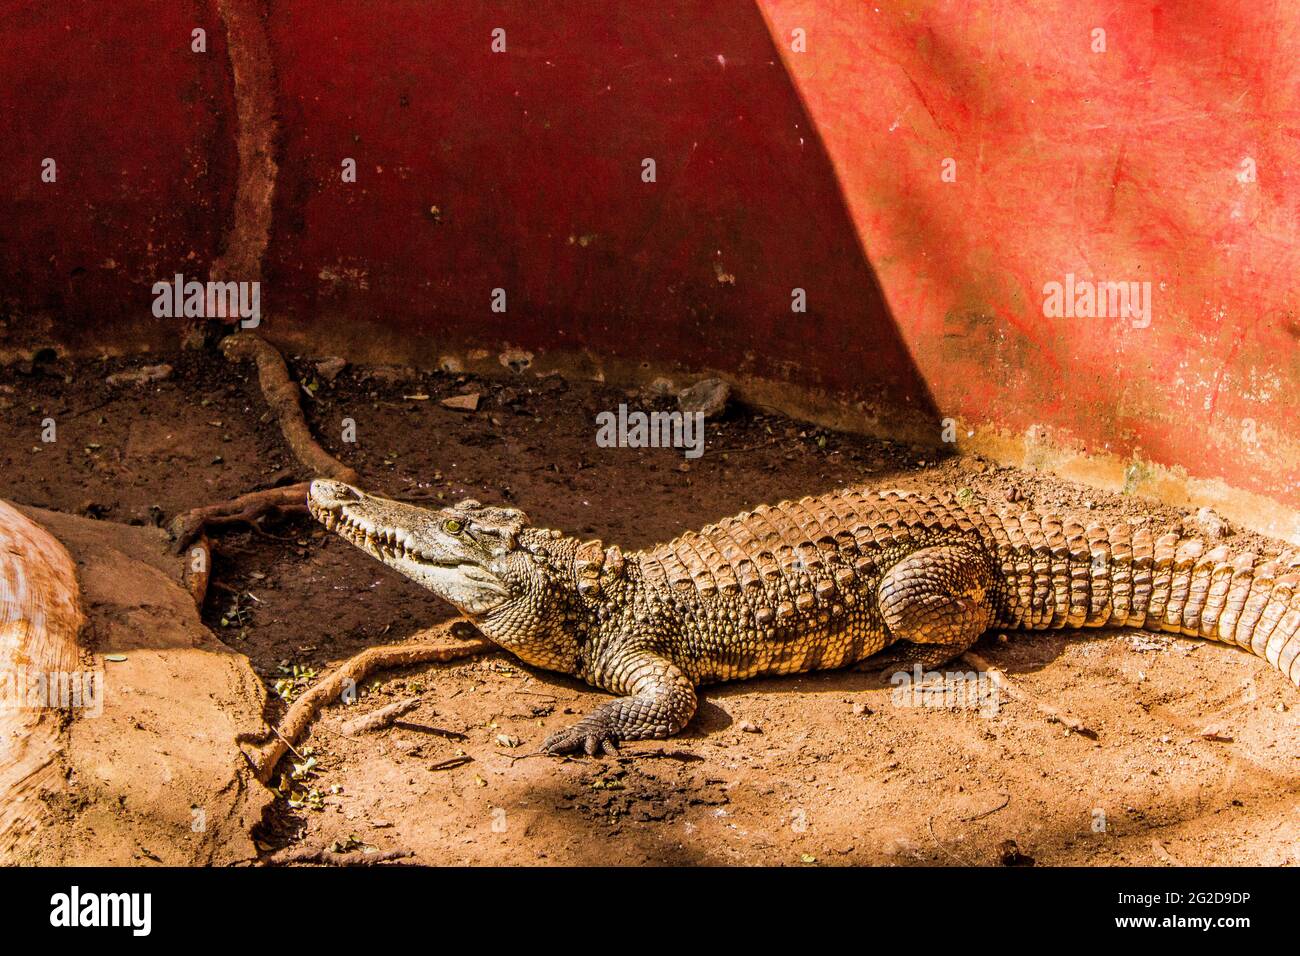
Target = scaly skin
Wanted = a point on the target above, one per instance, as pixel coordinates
(809, 585)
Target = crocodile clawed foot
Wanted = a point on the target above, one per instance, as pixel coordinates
(592, 737)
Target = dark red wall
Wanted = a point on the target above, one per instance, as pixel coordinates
(776, 170)
(143, 135)
(533, 160)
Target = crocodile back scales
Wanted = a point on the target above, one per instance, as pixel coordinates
(792, 587)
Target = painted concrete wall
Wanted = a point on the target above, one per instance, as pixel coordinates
(1169, 158)
(784, 161)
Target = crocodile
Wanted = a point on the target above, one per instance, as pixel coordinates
(823, 582)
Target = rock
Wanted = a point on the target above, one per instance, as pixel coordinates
(515, 359)
(393, 373)
(1211, 525)
(463, 403)
(329, 368)
(141, 376)
(661, 388)
(451, 365)
(749, 727)
(709, 396)
(861, 710)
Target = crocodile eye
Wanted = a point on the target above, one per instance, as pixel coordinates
(452, 526)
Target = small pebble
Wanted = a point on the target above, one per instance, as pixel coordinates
(462, 403)
(329, 368)
(709, 396)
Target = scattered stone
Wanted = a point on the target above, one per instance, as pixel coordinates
(393, 373)
(141, 376)
(515, 359)
(749, 727)
(329, 368)
(1211, 525)
(661, 388)
(709, 396)
(463, 403)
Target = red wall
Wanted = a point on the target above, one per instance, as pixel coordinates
(1122, 165)
(142, 134)
(776, 169)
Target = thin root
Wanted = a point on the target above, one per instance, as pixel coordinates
(249, 508)
(327, 857)
(198, 569)
(347, 677)
(282, 395)
(1004, 684)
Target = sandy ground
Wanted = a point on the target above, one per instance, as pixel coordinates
(1194, 758)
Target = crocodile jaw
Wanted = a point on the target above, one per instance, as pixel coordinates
(409, 540)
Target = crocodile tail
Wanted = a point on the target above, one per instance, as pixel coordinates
(1241, 599)
(1125, 576)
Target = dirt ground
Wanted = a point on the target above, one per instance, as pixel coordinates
(820, 769)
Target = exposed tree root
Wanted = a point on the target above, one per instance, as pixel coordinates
(288, 499)
(456, 642)
(327, 857)
(198, 568)
(282, 395)
(1005, 685)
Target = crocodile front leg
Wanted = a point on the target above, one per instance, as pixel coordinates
(660, 702)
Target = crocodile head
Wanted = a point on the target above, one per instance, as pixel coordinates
(460, 553)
